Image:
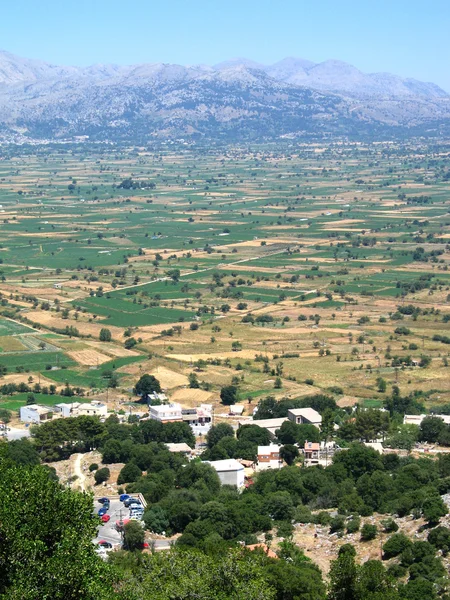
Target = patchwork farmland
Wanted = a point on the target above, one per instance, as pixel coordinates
(286, 270)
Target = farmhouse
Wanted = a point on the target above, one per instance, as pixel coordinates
(305, 416)
(230, 472)
(35, 413)
(182, 448)
(269, 457)
(417, 419)
(200, 418)
(311, 451)
(270, 424)
(166, 413)
(78, 409)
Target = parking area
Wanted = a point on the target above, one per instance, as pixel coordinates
(108, 531)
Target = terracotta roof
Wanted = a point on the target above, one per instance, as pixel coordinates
(270, 553)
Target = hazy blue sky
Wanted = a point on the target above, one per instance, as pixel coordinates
(407, 37)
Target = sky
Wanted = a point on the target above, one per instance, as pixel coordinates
(410, 38)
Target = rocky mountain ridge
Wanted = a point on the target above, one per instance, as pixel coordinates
(238, 99)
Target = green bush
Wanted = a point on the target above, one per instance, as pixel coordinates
(353, 525)
(395, 545)
(93, 467)
(337, 524)
(389, 526)
(102, 475)
(368, 532)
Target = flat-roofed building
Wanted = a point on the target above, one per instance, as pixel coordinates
(270, 424)
(230, 472)
(303, 416)
(79, 409)
(35, 413)
(166, 413)
(269, 457)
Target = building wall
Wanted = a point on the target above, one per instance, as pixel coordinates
(28, 415)
(232, 477)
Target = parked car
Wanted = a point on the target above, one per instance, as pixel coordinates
(102, 511)
(103, 500)
(124, 497)
(107, 504)
(104, 544)
(130, 500)
(136, 508)
(105, 518)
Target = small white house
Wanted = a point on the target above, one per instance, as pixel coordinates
(269, 457)
(230, 472)
(78, 409)
(166, 413)
(35, 413)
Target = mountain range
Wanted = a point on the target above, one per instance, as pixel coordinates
(237, 99)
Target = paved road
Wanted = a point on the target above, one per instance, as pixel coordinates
(17, 434)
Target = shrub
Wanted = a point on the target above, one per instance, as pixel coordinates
(353, 525)
(101, 475)
(389, 526)
(368, 532)
(337, 524)
(395, 545)
(397, 571)
(93, 467)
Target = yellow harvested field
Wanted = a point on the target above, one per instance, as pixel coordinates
(112, 349)
(46, 318)
(194, 357)
(168, 378)
(89, 357)
(193, 397)
(9, 343)
(23, 378)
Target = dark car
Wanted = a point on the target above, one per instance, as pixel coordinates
(103, 500)
(124, 497)
(129, 501)
(107, 504)
(102, 511)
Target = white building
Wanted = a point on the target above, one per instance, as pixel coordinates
(269, 457)
(230, 472)
(200, 418)
(417, 419)
(35, 413)
(305, 416)
(270, 424)
(181, 447)
(166, 413)
(78, 409)
(157, 397)
(236, 409)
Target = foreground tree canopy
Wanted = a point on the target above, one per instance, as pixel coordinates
(46, 534)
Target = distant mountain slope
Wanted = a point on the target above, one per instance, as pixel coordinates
(340, 77)
(238, 99)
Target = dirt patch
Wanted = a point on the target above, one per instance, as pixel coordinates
(192, 397)
(89, 357)
(347, 401)
(194, 357)
(168, 378)
(113, 350)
